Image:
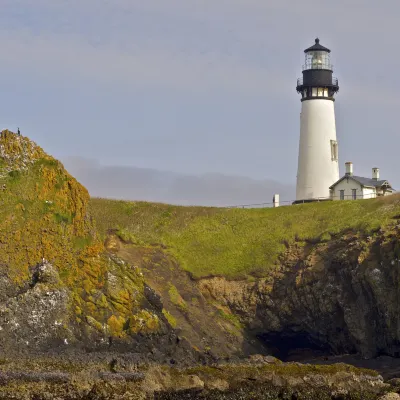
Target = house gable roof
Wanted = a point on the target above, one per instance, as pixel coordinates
(368, 182)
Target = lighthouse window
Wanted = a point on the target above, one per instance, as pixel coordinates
(320, 92)
(317, 60)
(334, 150)
(305, 93)
(314, 92)
(325, 92)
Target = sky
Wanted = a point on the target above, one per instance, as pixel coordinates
(194, 101)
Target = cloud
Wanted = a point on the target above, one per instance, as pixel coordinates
(131, 183)
(70, 58)
(106, 42)
(200, 45)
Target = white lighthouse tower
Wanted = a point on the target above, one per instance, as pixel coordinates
(318, 166)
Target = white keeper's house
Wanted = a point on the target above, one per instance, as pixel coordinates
(352, 187)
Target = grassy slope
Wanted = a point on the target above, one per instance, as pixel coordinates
(237, 242)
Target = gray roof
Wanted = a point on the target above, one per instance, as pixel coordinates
(365, 181)
(369, 181)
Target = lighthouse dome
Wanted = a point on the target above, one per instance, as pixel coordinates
(317, 47)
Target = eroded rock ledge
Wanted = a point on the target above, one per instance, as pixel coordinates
(258, 378)
(336, 297)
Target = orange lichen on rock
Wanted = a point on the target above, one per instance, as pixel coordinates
(44, 215)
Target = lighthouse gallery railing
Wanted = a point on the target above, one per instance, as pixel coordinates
(335, 81)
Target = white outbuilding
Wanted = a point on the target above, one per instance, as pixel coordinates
(352, 187)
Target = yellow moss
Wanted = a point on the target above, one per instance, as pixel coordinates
(116, 325)
(170, 318)
(102, 302)
(87, 285)
(144, 322)
(78, 310)
(94, 324)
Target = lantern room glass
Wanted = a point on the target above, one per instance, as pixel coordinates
(317, 60)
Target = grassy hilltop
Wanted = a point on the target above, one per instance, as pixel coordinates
(237, 242)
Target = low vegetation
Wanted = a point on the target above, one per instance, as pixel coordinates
(238, 242)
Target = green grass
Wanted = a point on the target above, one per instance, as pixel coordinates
(170, 318)
(63, 218)
(176, 298)
(127, 236)
(79, 243)
(233, 319)
(14, 174)
(238, 242)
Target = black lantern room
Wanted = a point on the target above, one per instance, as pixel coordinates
(317, 81)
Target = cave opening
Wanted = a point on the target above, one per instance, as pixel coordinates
(295, 345)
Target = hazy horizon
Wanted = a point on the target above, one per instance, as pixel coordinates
(146, 184)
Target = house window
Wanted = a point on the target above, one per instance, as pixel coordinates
(334, 150)
(354, 194)
(342, 195)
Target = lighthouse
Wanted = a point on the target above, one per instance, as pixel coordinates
(318, 166)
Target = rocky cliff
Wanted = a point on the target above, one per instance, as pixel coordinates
(117, 286)
(59, 289)
(337, 297)
(328, 287)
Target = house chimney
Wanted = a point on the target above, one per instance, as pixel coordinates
(349, 169)
(375, 174)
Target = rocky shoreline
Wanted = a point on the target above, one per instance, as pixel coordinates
(119, 378)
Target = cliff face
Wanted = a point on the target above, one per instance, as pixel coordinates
(59, 289)
(335, 292)
(325, 298)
